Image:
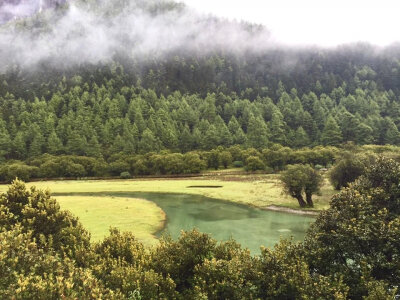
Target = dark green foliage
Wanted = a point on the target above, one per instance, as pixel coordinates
(358, 236)
(347, 169)
(140, 121)
(19, 170)
(238, 164)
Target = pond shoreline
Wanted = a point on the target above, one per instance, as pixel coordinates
(291, 210)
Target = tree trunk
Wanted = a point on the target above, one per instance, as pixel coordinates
(310, 203)
(299, 198)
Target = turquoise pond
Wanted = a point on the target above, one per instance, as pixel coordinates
(249, 226)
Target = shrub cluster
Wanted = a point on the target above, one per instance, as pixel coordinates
(165, 163)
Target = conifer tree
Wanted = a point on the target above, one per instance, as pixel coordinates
(37, 145)
(148, 142)
(392, 134)
(331, 135)
(257, 133)
(277, 128)
(301, 138)
(94, 149)
(54, 144)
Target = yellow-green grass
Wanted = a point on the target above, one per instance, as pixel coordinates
(258, 191)
(97, 213)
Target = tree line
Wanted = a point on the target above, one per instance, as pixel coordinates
(345, 163)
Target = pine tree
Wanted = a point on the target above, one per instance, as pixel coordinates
(148, 142)
(277, 128)
(364, 134)
(19, 146)
(76, 144)
(118, 145)
(301, 138)
(257, 133)
(37, 145)
(392, 134)
(348, 125)
(331, 135)
(185, 140)
(94, 149)
(54, 144)
(5, 142)
(223, 133)
(211, 139)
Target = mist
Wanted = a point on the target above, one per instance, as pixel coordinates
(79, 34)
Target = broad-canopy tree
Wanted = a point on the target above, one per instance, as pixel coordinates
(299, 180)
(347, 169)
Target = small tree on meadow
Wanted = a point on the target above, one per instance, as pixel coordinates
(299, 180)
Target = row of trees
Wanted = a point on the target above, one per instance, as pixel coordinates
(350, 252)
(165, 162)
(348, 162)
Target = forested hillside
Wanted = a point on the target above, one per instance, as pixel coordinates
(182, 96)
(85, 118)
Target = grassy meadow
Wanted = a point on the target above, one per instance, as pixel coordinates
(255, 190)
(98, 213)
(144, 218)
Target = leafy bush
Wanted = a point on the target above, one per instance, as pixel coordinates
(125, 175)
(18, 170)
(238, 164)
(254, 163)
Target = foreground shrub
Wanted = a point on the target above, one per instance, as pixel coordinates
(351, 251)
(358, 237)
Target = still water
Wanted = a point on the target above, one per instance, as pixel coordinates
(251, 227)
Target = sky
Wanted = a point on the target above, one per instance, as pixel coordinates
(314, 22)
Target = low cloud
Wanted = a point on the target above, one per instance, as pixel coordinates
(82, 35)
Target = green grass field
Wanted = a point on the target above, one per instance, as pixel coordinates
(144, 218)
(97, 213)
(258, 190)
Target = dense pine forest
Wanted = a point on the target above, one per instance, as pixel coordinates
(186, 99)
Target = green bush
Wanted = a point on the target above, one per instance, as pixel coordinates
(18, 170)
(238, 164)
(125, 175)
(254, 163)
(117, 167)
